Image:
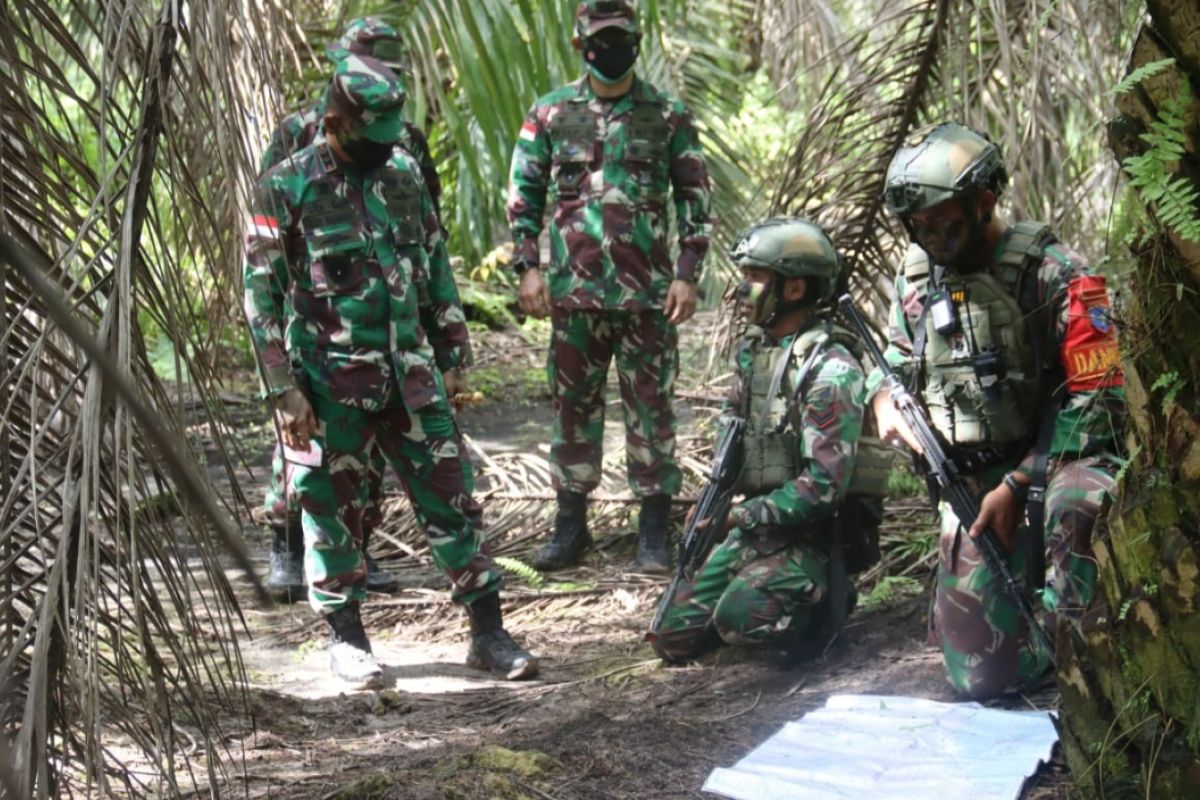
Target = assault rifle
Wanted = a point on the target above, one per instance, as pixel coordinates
(708, 518)
(946, 474)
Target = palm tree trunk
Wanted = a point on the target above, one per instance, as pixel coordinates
(1130, 680)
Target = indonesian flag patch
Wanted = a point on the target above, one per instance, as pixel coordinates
(264, 226)
(1089, 351)
(528, 131)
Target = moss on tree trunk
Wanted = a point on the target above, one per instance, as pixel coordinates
(1130, 680)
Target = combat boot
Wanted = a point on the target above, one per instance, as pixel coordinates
(654, 530)
(350, 651)
(571, 535)
(491, 646)
(378, 579)
(285, 578)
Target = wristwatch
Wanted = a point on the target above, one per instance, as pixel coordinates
(1018, 489)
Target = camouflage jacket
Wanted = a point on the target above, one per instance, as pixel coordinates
(828, 422)
(607, 167)
(1081, 343)
(298, 130)
(347, 282)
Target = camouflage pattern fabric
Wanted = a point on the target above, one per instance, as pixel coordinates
(349, 296)
(985, 648)
(422, 447)
(369, 36)
(606, 167)
(298, 130)
(295, 132)
(593, 16)
(985, 641)
(645, 348)
(282, 506)
(744, 596)
(1091, 419)
(764, 580)
(360, 331)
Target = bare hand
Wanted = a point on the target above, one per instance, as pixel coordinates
(455, 383)
(704, 523)
(533, 296)
(680, 304)
(295, 417)
(891, 423)
(1000, 511)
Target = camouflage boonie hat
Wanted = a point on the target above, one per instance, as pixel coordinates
(367, 91)
(592, 16)
(369, 36)
(940, 162)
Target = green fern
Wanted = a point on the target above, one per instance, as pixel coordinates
(521, 570)
(1170, 383)
(1174, 198)
(1142, 73)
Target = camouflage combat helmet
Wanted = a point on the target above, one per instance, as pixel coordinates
(592, 16)
(365, 90)
(369, 36)
(939, 163)
(792, 247)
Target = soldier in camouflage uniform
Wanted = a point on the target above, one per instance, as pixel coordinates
(1006, 336)
(366, 36)
(800, 388)
(606, 150)
(361, 334)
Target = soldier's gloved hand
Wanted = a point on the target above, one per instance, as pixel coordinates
(680, 304)
(1000, 511)
(533, 296)
(890, 422)
(296, 419)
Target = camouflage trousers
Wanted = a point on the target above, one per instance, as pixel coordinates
(645, 348)
(281, 506)
(422, 447)
(747, 592)
(985, 642)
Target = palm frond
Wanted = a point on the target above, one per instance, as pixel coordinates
(124, 152)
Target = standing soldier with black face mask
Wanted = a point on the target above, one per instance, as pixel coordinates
(1007, 338)
(359, 326)
(366, 36)
(608, 150)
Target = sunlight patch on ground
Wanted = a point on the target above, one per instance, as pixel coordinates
(410, 667)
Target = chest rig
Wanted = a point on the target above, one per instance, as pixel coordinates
(979, 346)
(771, 447)
(576, 146)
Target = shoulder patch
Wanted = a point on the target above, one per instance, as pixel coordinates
(1089, 352)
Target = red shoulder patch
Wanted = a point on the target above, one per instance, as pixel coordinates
(1089, 351)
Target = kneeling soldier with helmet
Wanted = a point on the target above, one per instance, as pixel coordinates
(781, 571)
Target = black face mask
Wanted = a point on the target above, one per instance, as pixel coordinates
(367, 154)
(610, 61)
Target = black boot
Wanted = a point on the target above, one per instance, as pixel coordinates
(378, 579)
(654, 532)
(350, 652)
(571, 535)
(491, 646)
(285, 579)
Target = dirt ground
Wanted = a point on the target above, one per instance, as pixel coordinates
(604, 719)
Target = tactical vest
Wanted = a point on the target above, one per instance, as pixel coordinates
(979, 376)
(575, 146)
(771, 446)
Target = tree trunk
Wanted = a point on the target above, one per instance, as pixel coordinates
(1130, 680)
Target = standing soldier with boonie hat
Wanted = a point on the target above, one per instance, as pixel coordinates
(367, 36)
(360, 331)
(609, 152)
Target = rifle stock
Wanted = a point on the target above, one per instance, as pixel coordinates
(947, 476)
(708, 518)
